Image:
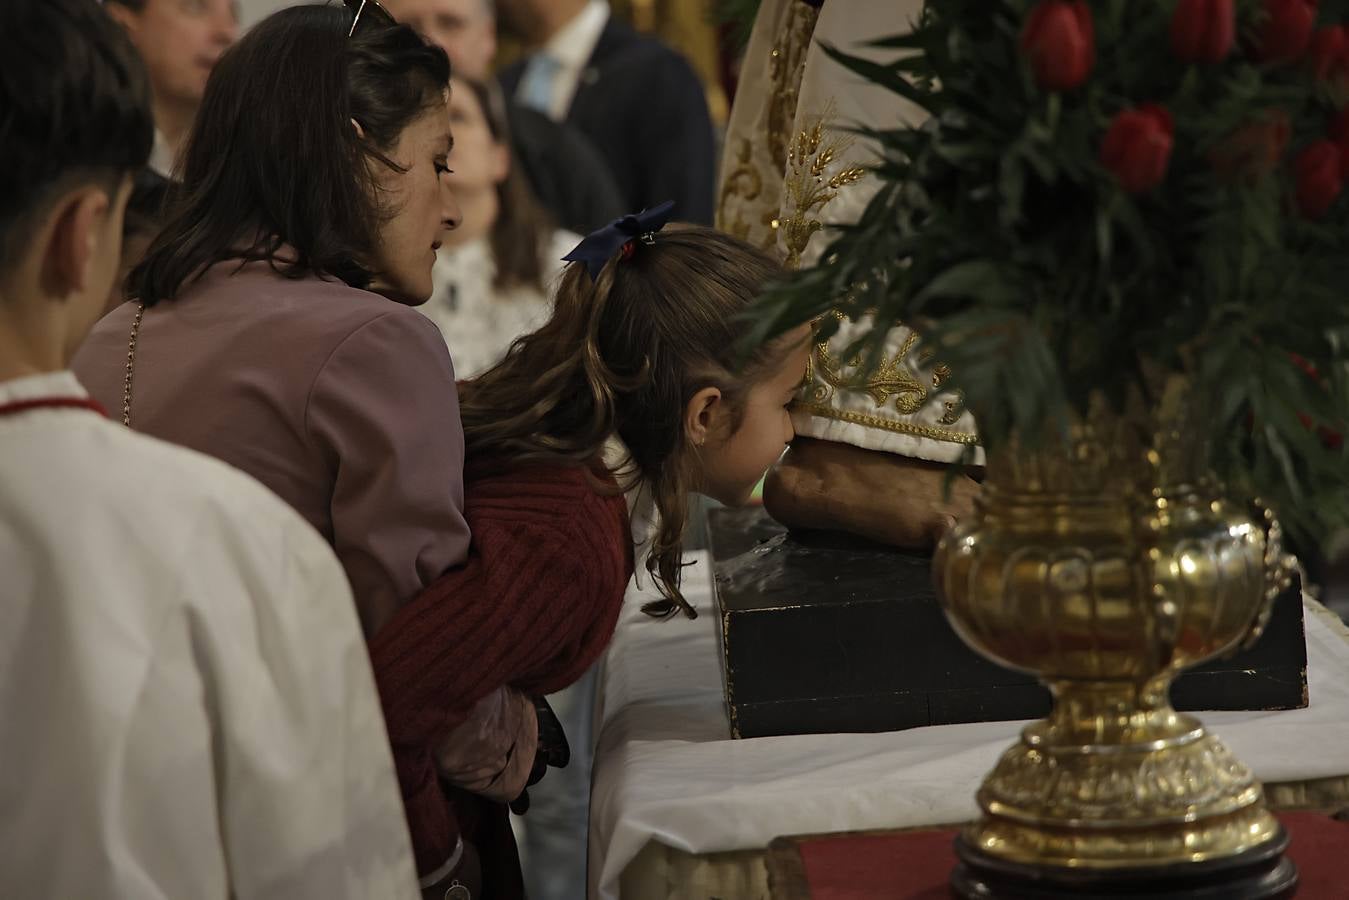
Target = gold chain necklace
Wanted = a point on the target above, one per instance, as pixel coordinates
(131, 364)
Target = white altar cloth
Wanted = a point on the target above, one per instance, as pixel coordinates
(667, 770)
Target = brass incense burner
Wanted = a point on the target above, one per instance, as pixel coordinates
(1106, 563)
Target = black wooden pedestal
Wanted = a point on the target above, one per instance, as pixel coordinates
(826, 632)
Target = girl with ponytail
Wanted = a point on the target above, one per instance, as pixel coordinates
(583, 445)
(642, 361)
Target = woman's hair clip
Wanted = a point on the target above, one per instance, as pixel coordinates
(620, 237)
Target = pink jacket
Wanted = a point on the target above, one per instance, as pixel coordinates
(339, 400)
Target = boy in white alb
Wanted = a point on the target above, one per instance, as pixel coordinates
(186, 699)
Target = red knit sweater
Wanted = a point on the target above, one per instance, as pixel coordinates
(533, 607)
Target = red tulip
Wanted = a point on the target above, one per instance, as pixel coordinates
(1329, 437)
(1339, 129)
(1317, 171)
(1203, 30)
(1254, 150)
(1285, 30)
(1329, 58)
(1305, 365)
(1137, 147)
(1060, 42)
(1327, 54)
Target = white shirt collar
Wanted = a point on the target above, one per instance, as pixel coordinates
(161, 157)
(642, 515)
(575, 42)
(44, 386)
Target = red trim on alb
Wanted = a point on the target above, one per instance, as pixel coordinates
(22, 406)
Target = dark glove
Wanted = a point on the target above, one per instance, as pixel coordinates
(553, 750)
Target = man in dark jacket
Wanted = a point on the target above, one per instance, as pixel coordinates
(637, 100)
(569, 176)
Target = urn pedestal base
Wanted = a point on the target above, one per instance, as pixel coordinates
(1261, 873)
(1106, 561)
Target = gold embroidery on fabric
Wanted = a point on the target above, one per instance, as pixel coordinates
(813, 178)
(954, 409)
(744, 183)
(909, 428)
(786, 68)
(809, 185)
(826, 376)
(890, 379)
(786, 65)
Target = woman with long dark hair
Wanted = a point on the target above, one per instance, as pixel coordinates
(273, 325)
(271, 322)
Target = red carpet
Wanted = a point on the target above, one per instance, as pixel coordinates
(915, 865)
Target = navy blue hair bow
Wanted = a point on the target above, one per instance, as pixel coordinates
(620, 235)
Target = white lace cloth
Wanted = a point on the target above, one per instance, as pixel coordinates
(479, 321)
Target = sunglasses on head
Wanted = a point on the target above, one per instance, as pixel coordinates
(369, 14)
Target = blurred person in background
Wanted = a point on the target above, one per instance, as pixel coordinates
(638, 100)
(464, 29)
(568, 175)
(495, 273)
(180, 42)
